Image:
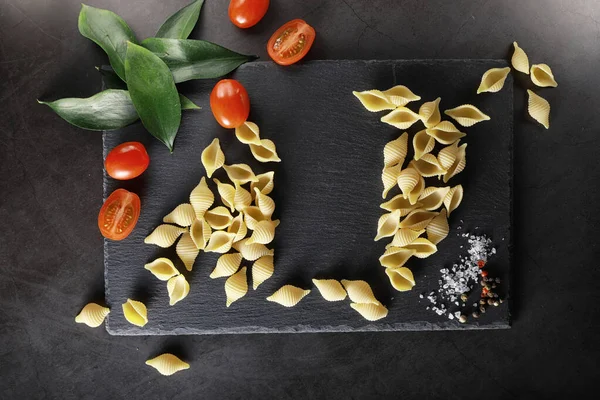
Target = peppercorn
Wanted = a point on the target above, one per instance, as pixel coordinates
(476, 314)
(464, 297)
(496, 303)
(488, 286)
(462, 319)
(482, 282)
(498, 280)
(484, 273)
(490, 302)
(501, 301)
(482, 302)
(482, 309)
(490, 294)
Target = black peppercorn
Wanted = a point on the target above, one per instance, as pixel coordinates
(482, 309)
(476, 314)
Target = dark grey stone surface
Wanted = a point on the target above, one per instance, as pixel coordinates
(51, 251)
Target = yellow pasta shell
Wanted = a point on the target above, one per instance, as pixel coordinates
(423, 247)
(389, 178)
(374, 100)
(220, 242)
(359, 291)
(408, 178)
(398, 202)
(453, 198)
(218, 218)
(417, 219)
(492, 80)
(164, 235)
(264, 232)
(240, 173)
(262, 270)
(542, 76)
(135, 312)
(200, 232)
(201, 198)
(438, 228)
(519, 59)
(388, 224)
(265, 183)
(265, 151)
(400, 95)
(401, 118)
(242, 198)
(238, 226)
(428, 166)
(459, 164)
(467, 114)
(187, 251)
(395, 257)
(402, 278)
(252, 216)
(445, 133)
(288, 295)
(447, 155)
(92, 315)
(227, 193)
(253, 251)
(330, 289)
(167, 364)
(227, 265)
(430, 113)
(432, 197)
(405, 236)
(236, 286)
(162, 268)
(539, 109)
(212, 157)
(248, 133)
(178, 288)
(182, 215)
(422, 143)
(395, 151)
(414, 194)
(265, 204)
(370, 312)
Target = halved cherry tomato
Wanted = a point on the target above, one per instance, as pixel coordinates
(247, 13)
(119, 214)
(291, 42)
(230, 103)
(127, 161)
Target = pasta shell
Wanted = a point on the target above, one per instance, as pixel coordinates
(395, 151)
(262, 270)
(417, 219)
(399, 203)
(388, 225)
(438, 228)
(253, 251)
(467, 114)
(167, 364)
(389, 178)
(400, 95)
(453, 198)
(401, 278)
(539, 109)
(445, 133)
(407, 180)
(428, 165)
(248, 133)
(432, 198)
(187, 251)
(265, 204)
(414, 194)
(459, 164)
(238, 226)
(236, 286)
(162, 268)
(164, 235)
(212, 157)
(201, 198)
(374, 100)
(519, 60)
(422, 144)
(227, 193)
(430, 113)
(135, 312)
(242, 198)
(401, 118)
(370, 312)
(330, 289)
(227, 265)
(264, 232)
(423, 248)
(200, 232)
(395, 257)
(240, 173)
(359, 291)
(220, 242)
(265, 183)
(447, 155)
(178, 288)
(542, 76)
(405, 236)
(492, 80)
(218, 218)
(288, 295)
(266, 151)
(92, 315)
(182, 215)
(252, 216)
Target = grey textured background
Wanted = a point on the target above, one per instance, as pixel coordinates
(51, 252)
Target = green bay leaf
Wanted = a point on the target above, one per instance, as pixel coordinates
(181, 24)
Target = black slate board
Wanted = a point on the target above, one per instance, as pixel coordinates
(328, 192)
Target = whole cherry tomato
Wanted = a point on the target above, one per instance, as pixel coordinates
(230, 103)
(291, 42)
(127, 161)
(247, 13)
(119, 214)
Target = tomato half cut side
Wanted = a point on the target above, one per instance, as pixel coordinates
(247, 13)
(291, 42)
(127, 161)
(119, 214)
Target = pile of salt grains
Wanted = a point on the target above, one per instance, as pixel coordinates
(462, 277)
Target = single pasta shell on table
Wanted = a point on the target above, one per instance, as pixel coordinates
(253, 251)
(389, 178)
(539, 109)
(519, 60)
(370, 312)
(414, 194)
(162, 268)
(167, 364)
(400, 95)
(200, 232)
(218, 218)
(423, 247)
(542, 76)
(388, 225)
(422, 143)
(201, 198)
(265, 151)
(178, 288)
(401, 278)
(265, 204)
(404, 236)
(227, 265)
(288, 295)
(220, 242)
(430, 113)
(264, 232)
(445, 133)
(252, 216)
(398, 202)
(135, 312)
(238, 226)
(164, 235)
(240, 173)
(432, 197)
(212, 157)
(395, 151)
(248, 133)
(459, 164)
(453, 198)
(236, 286)
(396, 257)
(447, 155)
(262, 270)
(265, 183)
(417, 219)
(227, 193)
(438, 228)
(359, 291)
(242, 198)
(427, 166)
(401, 118)
(374, 100)
(467, 114)
(187, 251)
(92, 315)
(182, 215)
(408, 178)
(330, 289)
(492, 80)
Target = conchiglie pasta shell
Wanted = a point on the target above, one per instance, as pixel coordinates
(542, 76)
(432, 198)
(370, 312)
(395, 151)
(167, 364)
(359, 291)
(265, 151)
(453, 198)
(220, 242)
(492, 80)
(539, 109)
(212, 157)
(252, 252)
(264, 232)
(238, 226)
(389, 178)
(330, 289)
(427, 166)
(388, 225)
(414, 194)
(422, 144)
(423, 247)
(200, 232)
(182, 215)
(445, 133)
(395, 257)
(459, 164)
(417, 219)
(201, 198)
(262, 270)
(519, 60)
(227, 265)
(400, 95)
(162, 268)
(178, 288)
(92, 315)
(401, 118)
(398, 202)
(408, 178)
(265, 183)
(164, 235)
(438, 228)
(467, 115)
(402, 279)
(236, 286)
(430, 113)
(240, 173)
(374, 100)
(288, 295)
(187, 251)
(218, 218)
(265, 204)
(447, 155)
(135, 312)
(227, 193)
(405, 236)
(242, 198)
(248, 133)
(252, 216)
